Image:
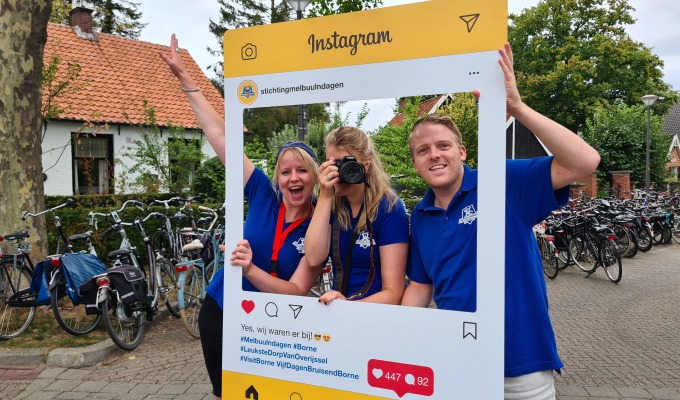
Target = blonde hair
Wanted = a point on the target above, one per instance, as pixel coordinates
(307, 160)
(435, 119)
(358, 144)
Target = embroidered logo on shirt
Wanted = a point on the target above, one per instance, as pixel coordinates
(364, 240)
(300, 245)
(469, 215)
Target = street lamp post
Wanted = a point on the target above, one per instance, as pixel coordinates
(299, 6)
(648, 99)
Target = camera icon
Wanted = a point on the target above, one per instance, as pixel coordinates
(249, 52)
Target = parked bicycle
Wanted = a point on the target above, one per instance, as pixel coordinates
(63, 276)
(121, 293)
(196, 271)
(593, 246)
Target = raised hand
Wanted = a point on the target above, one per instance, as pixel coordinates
(514, 100)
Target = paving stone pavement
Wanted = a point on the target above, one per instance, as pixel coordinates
(617, 341)
(620, 341)
(168, 364)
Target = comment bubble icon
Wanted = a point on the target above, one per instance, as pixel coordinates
(401, 378)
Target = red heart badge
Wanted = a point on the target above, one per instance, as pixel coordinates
(248, 306)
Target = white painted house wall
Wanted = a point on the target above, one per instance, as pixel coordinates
(58, 162)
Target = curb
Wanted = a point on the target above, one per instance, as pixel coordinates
(71, 357)
(23, 356)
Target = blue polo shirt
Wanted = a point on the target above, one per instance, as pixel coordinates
(259, 230)
(389, 227)
(443, 252)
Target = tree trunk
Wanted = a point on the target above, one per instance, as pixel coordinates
(23, 33)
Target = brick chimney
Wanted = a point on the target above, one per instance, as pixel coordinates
(82, 18)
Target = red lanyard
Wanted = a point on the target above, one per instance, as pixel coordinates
(280, 237)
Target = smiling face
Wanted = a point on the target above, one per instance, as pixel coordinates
(295, 179)
(437, 156)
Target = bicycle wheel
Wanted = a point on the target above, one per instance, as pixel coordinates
(676, 228)
(550, 264)
(70, 316)
(582, 254)
(666, 234)
(124, 323)
(193, 300)
(14, 320)
(167, 290)
(644, 238)
(657, 232)
(611, 258)
(624, 240)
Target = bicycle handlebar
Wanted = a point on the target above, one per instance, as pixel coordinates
(27, 214)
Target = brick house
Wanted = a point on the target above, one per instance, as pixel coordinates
(117, 77)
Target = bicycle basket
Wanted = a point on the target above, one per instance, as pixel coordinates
(576, 226)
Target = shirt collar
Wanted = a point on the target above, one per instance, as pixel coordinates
(469, 184)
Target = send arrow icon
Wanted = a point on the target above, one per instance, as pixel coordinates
(470, 20)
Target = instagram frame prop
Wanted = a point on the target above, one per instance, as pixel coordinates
(289, 347)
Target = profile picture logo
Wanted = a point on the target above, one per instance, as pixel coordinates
(247, 92)
(249, 52)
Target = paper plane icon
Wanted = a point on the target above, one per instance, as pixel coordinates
(296, 309)
(470, 20)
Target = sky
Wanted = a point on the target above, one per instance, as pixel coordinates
(656, 27)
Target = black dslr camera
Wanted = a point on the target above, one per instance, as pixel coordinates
(351, 171)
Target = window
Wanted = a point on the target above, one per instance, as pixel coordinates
(92, 164)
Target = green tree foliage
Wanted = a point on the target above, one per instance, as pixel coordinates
(209, 183)
(574, 56)
(619, 133)
(329, 7)
(263, 122)
(161, 164)
(117, 17)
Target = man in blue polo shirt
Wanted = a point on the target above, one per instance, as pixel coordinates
(444, 232)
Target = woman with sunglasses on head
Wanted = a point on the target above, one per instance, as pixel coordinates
(279, 212)
(360, 220)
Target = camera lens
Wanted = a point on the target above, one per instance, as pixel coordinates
(352, 172)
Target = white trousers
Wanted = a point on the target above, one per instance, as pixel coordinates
(536, 386)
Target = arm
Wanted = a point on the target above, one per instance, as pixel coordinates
(574, 158)
(209, 120)
(318, 236)
(417, 295)
(298, 285)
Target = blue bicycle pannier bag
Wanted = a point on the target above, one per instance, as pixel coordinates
(79, 268)
(40, 283)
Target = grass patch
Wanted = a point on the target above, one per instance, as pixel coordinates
(44, 331)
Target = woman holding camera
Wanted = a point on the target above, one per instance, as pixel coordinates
(360, 220)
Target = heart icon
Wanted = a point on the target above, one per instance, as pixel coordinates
(248, 306)
(377, 372)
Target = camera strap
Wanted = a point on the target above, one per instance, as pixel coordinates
(280, 237)
(341, 272)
